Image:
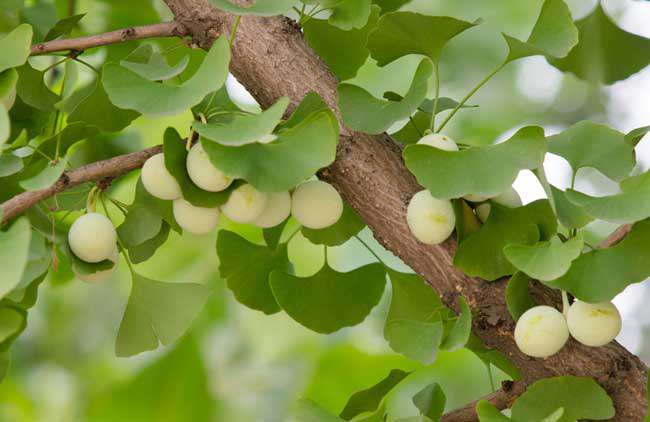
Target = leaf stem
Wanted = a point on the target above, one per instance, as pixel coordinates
(490, 377)
(381, 261)
(88, 65)
(233, 31)
(119, 241)
(435, 101)
(55, 64)
(565, 303)
(416, 126)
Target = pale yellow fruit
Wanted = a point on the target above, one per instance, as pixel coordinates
(510, 198)
(541, 332)
(594, 324)
(439, 141)
(316, 204)
(92, 237)
(195, 220)
(99, 276)
(278, 208)
(245, 204)
(158, 181)
(203, 173)
(431, 220)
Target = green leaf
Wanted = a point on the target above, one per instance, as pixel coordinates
(126, 89)
(63, 27)
(175, 162)
(431, 401)
(272, 235)
(401, 33)
(485, 171)
(494, 357)
(5, 125)
(237, 129)
(327, 40)
(632, 204)
(46, 177)
(466, 220)
(461, 329)
(311, 103)
(518, 296)
(349, 225)
(308, 411)
(152, 65)
(481, 254)
(588, 144)
(14, 252)
(634, 136)
(365, 113)
(390, 5)
(547, 260)
(296, 154)
(68, 136)
(157, 312)
(329, 300)
(571, 216)
(369, 400)
(581, 398)
(259, 7)
(601, 274)
(417, 340)
(15, 47)
(80, 266)
(12, 323)
(246, 268)
(348, 15)
(8, 80)
(414, 129)
(38, 260)
(9, 163)
(605, 52)
(32, 89)
(412, 298)
(486, 412)
(145, 250)
(554, 34)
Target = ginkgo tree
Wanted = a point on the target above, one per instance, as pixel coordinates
(518, 285)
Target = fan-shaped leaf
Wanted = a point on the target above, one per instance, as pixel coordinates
(15, 47)
(33, 91)
(63, 27)
(370, 399)
(337, 234)
(544, 261)
(570, 215)
(461, 329)
(152, 65)
(46, 175)
(417, 340)
(518, 296)
(14, 252)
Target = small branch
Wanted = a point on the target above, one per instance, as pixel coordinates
(165, 29)
(501, 399)
(616, 236)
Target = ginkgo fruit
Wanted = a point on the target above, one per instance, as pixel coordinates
(193, 219)
(245, 204)
(593, 324)
(9, 99)
(439, 141)
(431, 220)
(92, 237)
(158, 181)
(316, 204)
(510, 198)
(278, 208)
(203, 173)
(541, 332)
(99, 276)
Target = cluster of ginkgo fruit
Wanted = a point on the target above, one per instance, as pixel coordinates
(314, 204)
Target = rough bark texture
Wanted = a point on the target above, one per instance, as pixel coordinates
(272, 59)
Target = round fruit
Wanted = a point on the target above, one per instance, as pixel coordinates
(245, 204)
(594, 324)
(510, 198)
(483, 212)
(316, 204)
(439, 141)
(92, 237)
(203, 173)
(99, 276)
(278, 208)
(196, 220)
(9, 99)
(541, 332)
(158, 181)
(430, 219)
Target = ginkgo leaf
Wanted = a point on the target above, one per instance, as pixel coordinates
(72, 133)
(63, 27)
(369, 400)
(390, 5)
(417, 340)
(126, 89)
(9, 163)
(296, 154)
(157, 312)
(461, 328)
(485, 171)
(15, 47)
(467, 222)
(14, 252)
(237, 129)
(32, 89)
(349, 14)
(152, 65)
(634, 136)
(601, 274)
(12, 322)
(363, 112)
(5, 125)
(587, 144)
(350, 224)
(570, 215)
(487, 412)
(546, 260)
(430, 402)
(518, 298)
(481, 253)
(605, 52)
(329, 300)
(258, 7)
(308, 411)
(46, 175)
(145, 250)
(401, 33)
(8, 80)
(632, 204)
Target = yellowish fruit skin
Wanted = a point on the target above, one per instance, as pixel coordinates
(278, 208)
(158, 181)
(431, 220)
(203, 173)
(439, 141)
(195, 220)
(245, 204)
(92, 238)
(541, 332)
(99, 276)
(510, 198)
(594, 324)
(316, 204)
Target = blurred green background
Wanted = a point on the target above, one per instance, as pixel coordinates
(236, 364)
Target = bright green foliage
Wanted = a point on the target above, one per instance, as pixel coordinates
(486, 170)
(237, 129)
(259, 8)
(488, 413)
(127, 89)
(431, 401)
(570, 215)
(63, 27)
(145, 250)
(9, 164)
(518, 296)
(65, 138)
(32, 89)
(347, 15)
(308, 411)
(46, 177)
(86, 268)
(401, 33)
(329, 300)
(634, 136)
(546, 260)
(588, 144)
(601, 274)
(632, 204)
(349, 225)
(370, 399)
(390, 5)
(5, 125)
(461, 329)
(466, 220)
(12, 323)
(605, 52)
(15, 47)
(8, 80)
(363, 112)
(14, 251)
(481, 254)
(152, 65)
(157, 312)
(414, 129)
(417, 340)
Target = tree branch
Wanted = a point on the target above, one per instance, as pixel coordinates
(165, 29)
(501, 399)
